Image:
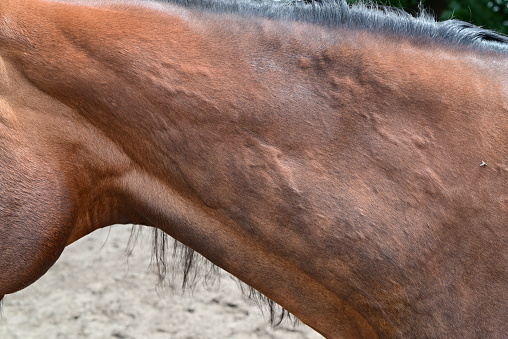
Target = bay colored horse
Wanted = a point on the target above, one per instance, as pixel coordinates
(328, 156)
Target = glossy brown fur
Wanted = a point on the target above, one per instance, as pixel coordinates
(336, 171)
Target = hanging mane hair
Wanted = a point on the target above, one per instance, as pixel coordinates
(170, 257)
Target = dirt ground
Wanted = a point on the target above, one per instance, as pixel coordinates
(95, 290)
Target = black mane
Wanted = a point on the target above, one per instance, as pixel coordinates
(361, 16)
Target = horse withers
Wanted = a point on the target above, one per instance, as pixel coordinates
(326, 155)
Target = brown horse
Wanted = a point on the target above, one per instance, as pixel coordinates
(328, 156)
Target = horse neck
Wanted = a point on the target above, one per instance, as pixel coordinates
(177, 120)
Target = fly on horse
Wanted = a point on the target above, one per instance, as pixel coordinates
(326, 155)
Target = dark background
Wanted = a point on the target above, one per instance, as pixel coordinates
(491, 14)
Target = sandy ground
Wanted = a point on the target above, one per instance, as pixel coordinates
(96, 290)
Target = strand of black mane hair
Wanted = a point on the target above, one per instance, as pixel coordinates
(363, 15)
(169, 257)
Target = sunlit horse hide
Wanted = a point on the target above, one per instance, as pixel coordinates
(327, 156)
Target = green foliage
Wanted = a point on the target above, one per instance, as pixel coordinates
(491, 14)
